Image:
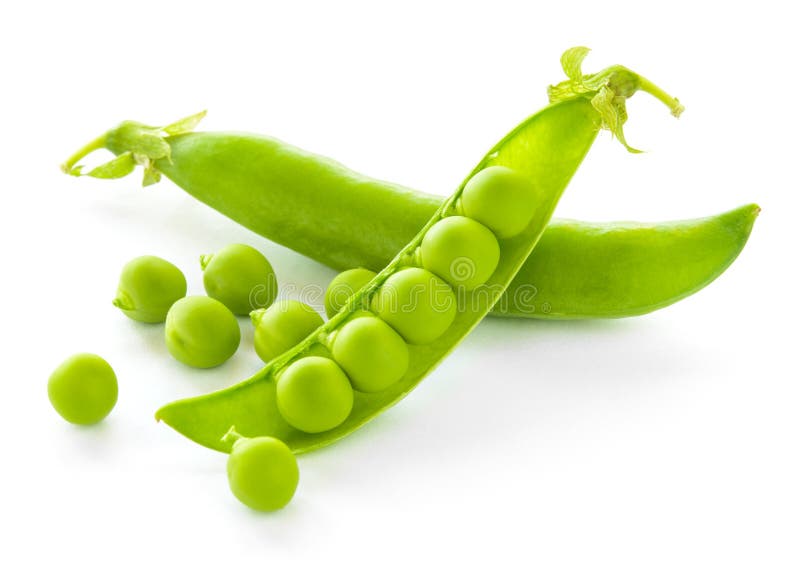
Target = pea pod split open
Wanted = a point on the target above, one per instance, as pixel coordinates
(345, 220)
(547, 149)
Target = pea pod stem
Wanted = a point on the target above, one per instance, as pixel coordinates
(68, 167)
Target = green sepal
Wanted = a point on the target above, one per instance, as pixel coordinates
(151, 175)
(133, 143)
(186, 124)
(119, 167)
(607, 90)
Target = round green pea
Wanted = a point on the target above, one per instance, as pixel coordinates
(262, 473)
(417, 304)
(502, 199)
(240, 277)
(314, 395)
(343, 286)
(83, 389)
(148, 287)
(461, 251)
(201, 332)
(282, 326)
(372, 354)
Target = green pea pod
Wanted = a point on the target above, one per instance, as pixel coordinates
(547, 148)
(343, 219)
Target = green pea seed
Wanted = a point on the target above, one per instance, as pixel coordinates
(83, 389)
(281, 326)
(372, 354)
(262, 473)
(148, 287)
(461, 251)
(500, 198)
(343, 286)
(240, 277)
(314, 395)
(416, 303)
(201, 332)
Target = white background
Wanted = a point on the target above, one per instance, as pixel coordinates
(669, 440)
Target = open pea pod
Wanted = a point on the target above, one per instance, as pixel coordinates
(547, 148)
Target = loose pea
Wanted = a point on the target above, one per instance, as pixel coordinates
(148, 287)
(262, 472)
(314, 395)
(461, 251)
(83, 389)
(501, 198)
(240, 277)
(281, 326)
(343, 286)
(372, 354)
(416, 303)
(201, 332)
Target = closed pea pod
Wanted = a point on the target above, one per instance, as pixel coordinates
(547, 148)
(344, 219)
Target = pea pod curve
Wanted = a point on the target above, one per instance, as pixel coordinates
(547, 148)
(343, 219)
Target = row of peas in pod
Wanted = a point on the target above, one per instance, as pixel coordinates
(414, 305)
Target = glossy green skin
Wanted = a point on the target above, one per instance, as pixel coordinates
(201, 332)
(416, 303)
(83, 389)
(548, 147)
(343, 286)
(653, 264)
(501, 199)
(281, 326)
(371, 353)
(148, 287)
(240, 277)
(461, 251)
(346, 220)
(262, 473)
(314, 395)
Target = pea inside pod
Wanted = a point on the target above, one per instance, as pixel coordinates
(461, 251)
(416, 303)
(547, 148)
(343, 286)
(372, 354)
